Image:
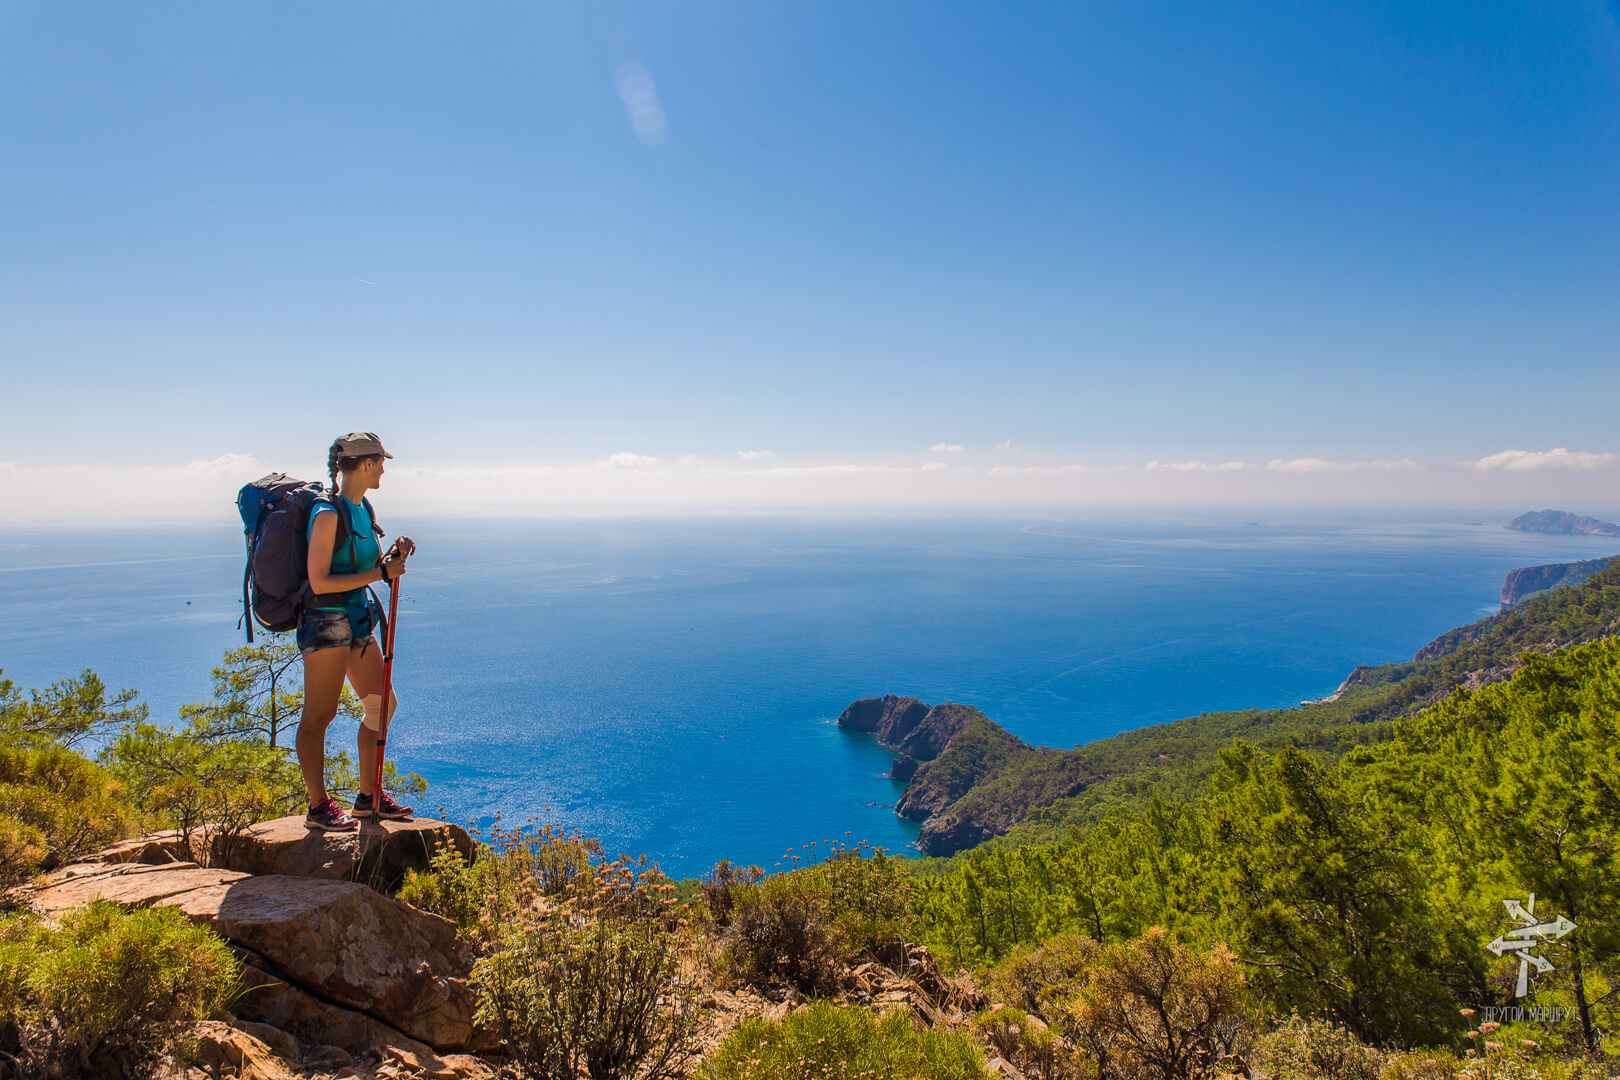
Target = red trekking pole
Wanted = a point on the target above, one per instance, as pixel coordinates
(388, 687)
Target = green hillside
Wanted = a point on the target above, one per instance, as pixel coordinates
(1362, 889)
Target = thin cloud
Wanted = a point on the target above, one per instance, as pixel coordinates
(933, 466)
(1535, 460)
(1042, 470)
(819, 470)
(1196, 466)
(640, 98)
(1007, 447)
(946, 448)
(627, 460)
(363, 281)
(755, 455)
(1319, 465)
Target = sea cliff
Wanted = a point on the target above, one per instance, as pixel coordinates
(1525, 582)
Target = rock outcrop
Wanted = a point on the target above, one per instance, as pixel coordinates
(908, 727)
(1563, 523)
(1526, 581)
(331, 960)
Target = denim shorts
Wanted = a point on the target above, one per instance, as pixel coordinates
(330, 629)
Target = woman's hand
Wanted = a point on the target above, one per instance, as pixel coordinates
(403, 545)
(393, 564)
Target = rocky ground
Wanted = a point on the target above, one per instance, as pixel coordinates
(342, 980)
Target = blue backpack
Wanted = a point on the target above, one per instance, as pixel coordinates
(275, 519)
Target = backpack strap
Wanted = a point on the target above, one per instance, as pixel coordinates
(376, 528)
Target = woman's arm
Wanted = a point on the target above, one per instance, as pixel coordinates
(322, 539)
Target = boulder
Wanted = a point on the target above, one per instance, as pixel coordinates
(349, 945)
(377, 854)
(269, 999)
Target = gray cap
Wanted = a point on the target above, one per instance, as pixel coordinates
(361, 444)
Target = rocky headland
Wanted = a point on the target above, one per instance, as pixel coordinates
(1527, 581)
(968, 779)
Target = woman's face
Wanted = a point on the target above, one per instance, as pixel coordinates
(374, 470)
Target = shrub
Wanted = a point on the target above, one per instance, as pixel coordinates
(106, 992)
(1153, 1008)
(1421, 1065)
(72, 804)
(1149, 1009)
(779, 934)
(1316, 1050)
(592, 982)
(720, 886)
(22, 852)
(1038, 978)
(823, 1041)
(802, 927)
(515, 870)
(1025, 1041)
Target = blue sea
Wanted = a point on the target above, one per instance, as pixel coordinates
(671, 686)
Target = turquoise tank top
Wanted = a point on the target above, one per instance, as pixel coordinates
(359, 553)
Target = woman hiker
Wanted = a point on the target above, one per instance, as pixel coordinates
(335, 635)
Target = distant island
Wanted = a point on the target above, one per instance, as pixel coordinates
(1562, 522)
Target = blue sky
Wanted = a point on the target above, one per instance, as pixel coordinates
(1096, 234)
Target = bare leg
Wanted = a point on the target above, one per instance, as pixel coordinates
(366, 676)
(323, 683)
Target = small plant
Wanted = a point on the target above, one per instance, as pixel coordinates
(592, 980)
(1315, 1050)
(106, 993)
(468, 894)
(823, 1041)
